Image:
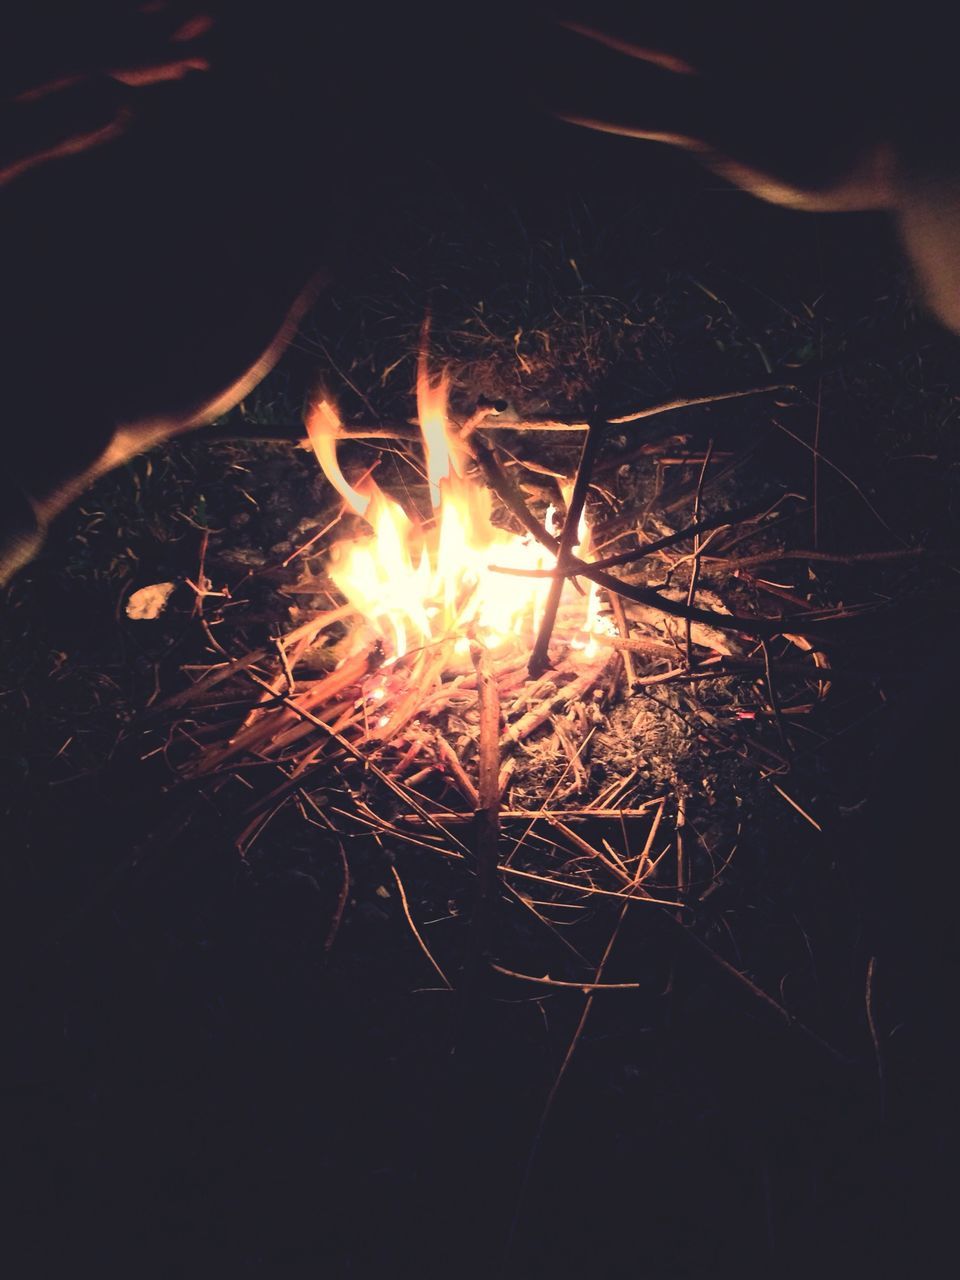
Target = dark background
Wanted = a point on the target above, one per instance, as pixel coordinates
(190, 1084)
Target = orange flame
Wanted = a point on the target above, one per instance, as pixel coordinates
(432, 415)
(323, 429)
(414, 584)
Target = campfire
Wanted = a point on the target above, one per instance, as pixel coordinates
(434, 603)
(565, 705)
(464, 659)
(443, 640)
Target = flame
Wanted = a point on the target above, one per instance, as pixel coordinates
(323, 429)
(432, 415)
(417, 583)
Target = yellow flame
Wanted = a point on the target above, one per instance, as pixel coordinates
(432, 416)
(416, 584)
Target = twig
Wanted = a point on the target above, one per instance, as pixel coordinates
(802, 812)
(529, 905)
(747, 984)
(840, 472)
(415, 931)
(668, 406)
(743, 515)
(822, 557)
(626, 653)
(871, 1021)
(266, 728)
(695, 567)
(294, 432)
(404, 794)
(639, 895)
(641, 644)
(589, 991)
(681, 825)
(539, 715)
(588, 988)
(723, 668)
(644, 863)
(452, 762)
(562, 735)
(307, 799)
(714, 523)
(511, 497)
(585, 847)
(341, 900)
(772, 692)
(285, 665)
(506, 489)
(766, 628)
(225, 670)
(539, 659)
(487, 828)
(532, 815)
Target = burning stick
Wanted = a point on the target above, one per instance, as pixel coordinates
(748, 514)
(505, 487)
(506, 490)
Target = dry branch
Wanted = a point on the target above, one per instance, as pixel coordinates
(588, 988)
(416, 932)
(533, 815)
(695, 571)
(488, 416)
(511, 497)
(487, 828)
(539, 659)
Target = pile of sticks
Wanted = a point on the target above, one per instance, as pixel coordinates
(388, 718)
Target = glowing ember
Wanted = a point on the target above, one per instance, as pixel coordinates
(418, 583)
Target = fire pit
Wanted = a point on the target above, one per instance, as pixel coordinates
(544, 693)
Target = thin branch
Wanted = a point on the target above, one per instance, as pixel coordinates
(874, 1036)
(487, 827)
(748, 985)
(729, 518)
(695, 568)
(539, 659)
(668, 406)
(626, 653)
(415, 931)
(588, 988)
(822, 557)
(511, 497)
(490, 420)
(404, 794)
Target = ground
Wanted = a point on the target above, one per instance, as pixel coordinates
(197, 1082)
